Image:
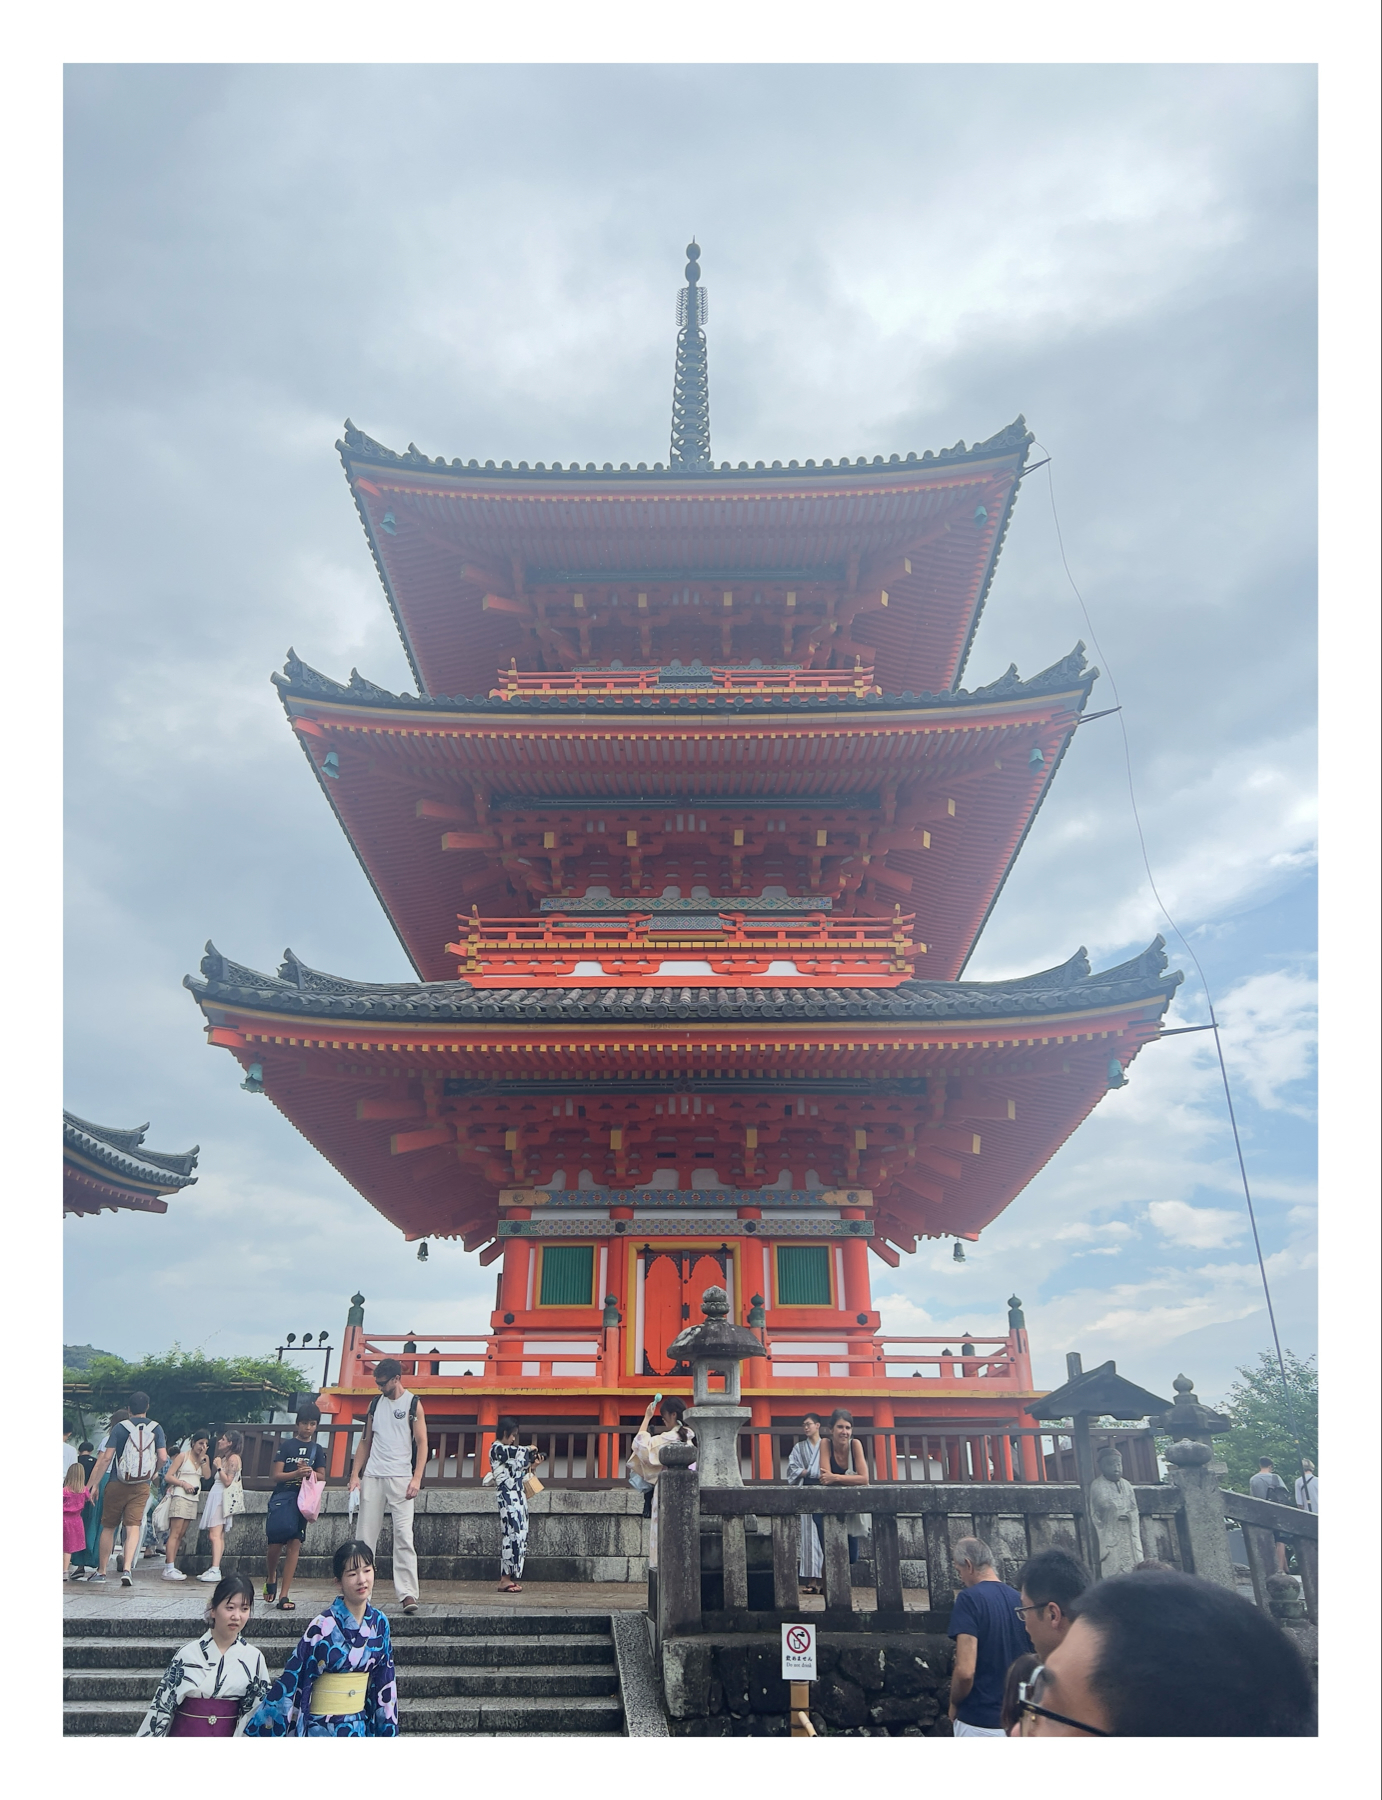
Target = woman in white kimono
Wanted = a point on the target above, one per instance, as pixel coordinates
(644, 1457)
(804, 1470)
(213, 1684)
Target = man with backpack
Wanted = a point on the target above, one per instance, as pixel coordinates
(387, 1473)
(136, 1447)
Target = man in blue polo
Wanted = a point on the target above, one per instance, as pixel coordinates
(987, 1627)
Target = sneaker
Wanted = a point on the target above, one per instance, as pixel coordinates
(126, 1579)
(210, 1575)
(98, 1579)
(171, 1573)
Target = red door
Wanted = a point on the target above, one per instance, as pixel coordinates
(661, 1308)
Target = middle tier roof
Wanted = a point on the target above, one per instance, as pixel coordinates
(870, 801)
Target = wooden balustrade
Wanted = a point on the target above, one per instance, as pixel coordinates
(713, 683)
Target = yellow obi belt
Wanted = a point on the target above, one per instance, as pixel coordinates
(339, 1695)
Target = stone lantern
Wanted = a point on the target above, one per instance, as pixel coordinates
(716, 1348)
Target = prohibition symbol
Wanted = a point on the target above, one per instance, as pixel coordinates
(798, 1639)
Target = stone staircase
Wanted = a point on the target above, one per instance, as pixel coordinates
(459, 1675)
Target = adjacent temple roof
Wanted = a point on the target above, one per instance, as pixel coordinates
(1069, 988)
(104, 1167)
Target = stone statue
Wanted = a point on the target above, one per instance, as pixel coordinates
(1113, 1509)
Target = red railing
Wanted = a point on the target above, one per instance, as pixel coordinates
(591, 1456)
(673, 685)
(980, 1363)
(580, 952)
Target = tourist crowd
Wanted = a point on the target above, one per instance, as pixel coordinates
(1150, 1653)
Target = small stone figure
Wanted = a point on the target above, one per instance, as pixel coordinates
(1113, 1508)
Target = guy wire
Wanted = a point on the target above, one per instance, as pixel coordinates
(1190, 951)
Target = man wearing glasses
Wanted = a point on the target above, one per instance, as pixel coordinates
(988, 1635)
(1051, 1582)
(1161, 1654)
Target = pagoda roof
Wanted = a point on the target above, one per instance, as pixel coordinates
(356, 447)
(1070, 987)
(345, 1060)
(398, 759)
(300, 680)
(107, 1166)
(445, 535)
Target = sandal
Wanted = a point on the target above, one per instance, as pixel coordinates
(271, 1591)
(287, 1605)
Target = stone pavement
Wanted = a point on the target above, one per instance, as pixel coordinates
(152, 1597)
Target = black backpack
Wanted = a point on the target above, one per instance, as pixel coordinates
(412, 1417)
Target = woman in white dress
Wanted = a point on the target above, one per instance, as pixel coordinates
(644, 1457)
(804, 1470)
(217, 1516)
(183, 1482)
(213, 1684)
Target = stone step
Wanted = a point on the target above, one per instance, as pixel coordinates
(267, 1623)
(544, 1681)
(508, 1717)
(409, 1653)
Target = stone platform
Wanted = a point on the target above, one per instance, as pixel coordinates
(575, 1535)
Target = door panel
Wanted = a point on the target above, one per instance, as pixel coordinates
(661, 1307)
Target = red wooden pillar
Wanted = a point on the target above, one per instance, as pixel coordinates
(486, 1420)
(1031, 1462)
(760, 1419)
(884, 1439)
(857, 1298)
(607, 1459)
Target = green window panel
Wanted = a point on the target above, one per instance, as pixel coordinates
(803, 1275)
(568, 1275)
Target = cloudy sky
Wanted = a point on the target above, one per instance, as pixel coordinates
(485, 262)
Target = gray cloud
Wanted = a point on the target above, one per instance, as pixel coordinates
(484, 261)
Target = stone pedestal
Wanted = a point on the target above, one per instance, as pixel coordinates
(1202, 1522)
(717, 1429)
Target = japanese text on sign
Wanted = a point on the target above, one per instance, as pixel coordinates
(798, 1653)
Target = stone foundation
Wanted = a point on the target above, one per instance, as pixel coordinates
(575, 1534)
(870, 1684)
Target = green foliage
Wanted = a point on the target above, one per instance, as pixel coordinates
(186, 1390)
(1261, 1423)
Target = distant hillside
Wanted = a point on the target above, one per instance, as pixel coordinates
(78, 1356)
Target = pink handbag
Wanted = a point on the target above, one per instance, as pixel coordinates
(309, 1497)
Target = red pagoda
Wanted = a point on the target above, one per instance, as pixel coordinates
(688, 833)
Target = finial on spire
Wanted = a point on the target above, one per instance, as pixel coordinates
(691, 387)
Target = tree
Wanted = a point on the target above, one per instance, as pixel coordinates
(185, 1390)
(1262, 1424)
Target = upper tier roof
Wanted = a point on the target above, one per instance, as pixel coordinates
(443, 535)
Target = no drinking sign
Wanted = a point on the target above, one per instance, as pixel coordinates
(798, 1653)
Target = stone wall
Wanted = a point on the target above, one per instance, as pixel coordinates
(870, 1684)
(575, 1534)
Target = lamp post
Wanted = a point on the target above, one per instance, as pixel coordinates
(307, 1344)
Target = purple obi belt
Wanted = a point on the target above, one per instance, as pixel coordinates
(205, 1718)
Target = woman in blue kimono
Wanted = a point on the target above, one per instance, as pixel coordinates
(339, 1682)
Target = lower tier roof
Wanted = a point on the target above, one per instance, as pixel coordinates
(943, 1098)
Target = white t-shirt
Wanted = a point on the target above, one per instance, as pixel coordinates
(1308, 1497)
(391, 1451)
(69, 1456)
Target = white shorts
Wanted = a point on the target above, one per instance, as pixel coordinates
(960, 1729)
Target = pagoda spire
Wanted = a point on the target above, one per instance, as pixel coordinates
(691, 387)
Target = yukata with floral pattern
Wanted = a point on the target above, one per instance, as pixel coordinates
(333, 1644)
(200, 1671)
(511, 1464)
